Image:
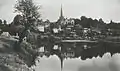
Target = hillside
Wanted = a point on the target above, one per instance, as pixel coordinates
(14, 57)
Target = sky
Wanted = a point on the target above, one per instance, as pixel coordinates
(106, 9)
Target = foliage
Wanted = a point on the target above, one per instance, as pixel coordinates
(113, 25)
(30, 13)
(0, 21)
(27, 8)
(89, 22)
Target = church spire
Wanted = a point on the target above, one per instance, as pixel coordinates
(61, 17)
(61, 13)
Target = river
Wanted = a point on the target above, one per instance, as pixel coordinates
(104, 63)
(95, 64)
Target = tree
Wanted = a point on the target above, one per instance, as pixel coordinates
(28, 8)
(77, 21)
(0, 21)
(30, 13)
(5, 22)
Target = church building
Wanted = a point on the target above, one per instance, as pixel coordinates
(62, 20)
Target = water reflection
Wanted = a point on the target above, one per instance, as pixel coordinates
(76, 49)
(84, 50)
(105, 63)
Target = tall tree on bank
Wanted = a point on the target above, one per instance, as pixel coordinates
(30, 13)
(27, 8)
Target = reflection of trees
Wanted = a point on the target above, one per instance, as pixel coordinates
(83, 50)
(92, 52)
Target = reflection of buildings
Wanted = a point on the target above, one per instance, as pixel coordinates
(70, 54)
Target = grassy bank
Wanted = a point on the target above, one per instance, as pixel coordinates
(14, 57)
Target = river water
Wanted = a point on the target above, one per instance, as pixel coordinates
(104, 63)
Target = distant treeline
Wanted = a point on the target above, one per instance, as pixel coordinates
(89, 22)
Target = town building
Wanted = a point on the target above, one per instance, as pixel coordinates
(63, 21)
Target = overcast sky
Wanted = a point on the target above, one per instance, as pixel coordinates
(106, 9)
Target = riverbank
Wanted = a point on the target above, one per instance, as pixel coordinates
(16, 60)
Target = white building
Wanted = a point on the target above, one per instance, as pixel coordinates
(41, 28)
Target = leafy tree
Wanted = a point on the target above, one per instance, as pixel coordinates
(77, 21)
(5, 22)
(27, 8)
(30, 13)
(84, 22)
(0, 21)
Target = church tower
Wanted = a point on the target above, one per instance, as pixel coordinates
(61, 13)
(61, 17)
